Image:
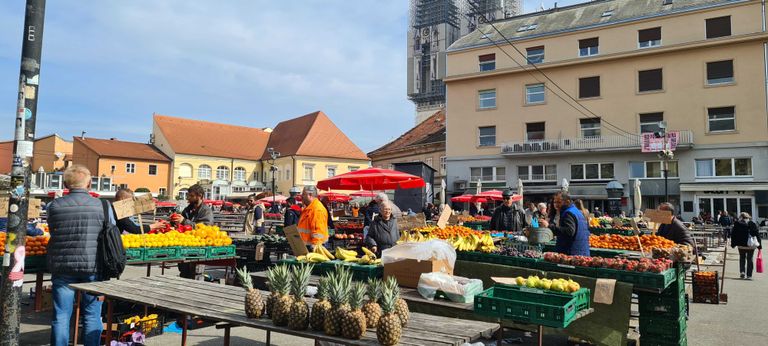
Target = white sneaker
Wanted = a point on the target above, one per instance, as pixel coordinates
(742, 275)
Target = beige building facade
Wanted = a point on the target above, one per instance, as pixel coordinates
(587, 81)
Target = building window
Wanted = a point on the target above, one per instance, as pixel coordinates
(492, 174)
(534, 93)
(535, 55)
(204, 172)
(185, 170)
(222, 173)
(309, 173)
(721, 119)
(152, 169)
(534, 131)
(123, 186)
(650, 80)
(487, 62)
(331, 172)
(649, 122)
(353, 168)
(130, 168)
(589, 87)
(428, 161)
(720, 72)
(487, 136)
(442, 165)
(95, 183)
(651, 169)
(487, 99)
(161, 191)
(239, 174)
(589, 46)
(719, 27)
(537, 173)
(726, 167)
(592, 171)
(112, 169)
(590, 128)
(287, 174)
(649, 37)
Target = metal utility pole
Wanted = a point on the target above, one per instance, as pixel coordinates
(666, 154)
(274, 155)
(21, 173)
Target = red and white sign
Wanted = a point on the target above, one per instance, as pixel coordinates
(651, 144)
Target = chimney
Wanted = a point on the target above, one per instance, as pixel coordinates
(82, 135)
(112, 138)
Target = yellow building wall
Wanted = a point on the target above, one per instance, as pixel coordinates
(320, 169)
(178, 181)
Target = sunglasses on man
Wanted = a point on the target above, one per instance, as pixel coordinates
(507, 198)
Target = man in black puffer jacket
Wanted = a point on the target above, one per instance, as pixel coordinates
(75, 222)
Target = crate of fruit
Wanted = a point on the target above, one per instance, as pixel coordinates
(543, 307)
(216, 252)
(161, 253)
(134, 254)
(149, 326)
(705, 287)
(193, 252)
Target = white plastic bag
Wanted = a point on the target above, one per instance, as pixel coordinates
(430, 283)
(424, 251)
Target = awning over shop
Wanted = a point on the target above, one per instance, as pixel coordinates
(718, 186)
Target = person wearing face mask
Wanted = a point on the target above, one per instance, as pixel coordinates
(572, 231)
(508, 217)
(382, 232)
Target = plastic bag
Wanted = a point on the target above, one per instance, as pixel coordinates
(424, 251)
(455, 287)
(759, 262)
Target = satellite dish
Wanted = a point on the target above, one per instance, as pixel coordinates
(59, 155)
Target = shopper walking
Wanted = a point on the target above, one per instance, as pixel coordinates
(75, 222)
(747, 237)
(726, 222)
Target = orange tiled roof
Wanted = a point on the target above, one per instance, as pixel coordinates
(122, 149)
(313, 134)
(195, 137)
(433, 127)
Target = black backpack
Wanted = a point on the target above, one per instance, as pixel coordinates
(110, 252)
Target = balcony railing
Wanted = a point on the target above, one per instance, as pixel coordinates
(602, 143)
(538, 177)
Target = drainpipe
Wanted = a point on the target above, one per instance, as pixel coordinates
(765, 57)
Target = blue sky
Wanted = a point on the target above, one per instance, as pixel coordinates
(108, 65)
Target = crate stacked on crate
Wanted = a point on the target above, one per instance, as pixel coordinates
(663, 316)
(203, 242)
(705, 287)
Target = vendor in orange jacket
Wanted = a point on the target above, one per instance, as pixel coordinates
(313, 224)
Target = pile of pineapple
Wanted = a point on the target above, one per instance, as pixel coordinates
(341, 308)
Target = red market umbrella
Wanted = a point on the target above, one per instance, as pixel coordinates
(494, 195)
(479, 200)
(363, 193)
(213, 202)
(335, 196)
(277, 198)
(372, 179)
(462, 199)
(66, 192)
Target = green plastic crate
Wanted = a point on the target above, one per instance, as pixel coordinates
(193, 252)
(478, 226)
(661, 327)
(664, 341)
(316, 270)
(161, 253)
(134, 255)
(481, 257)
(360, 272)
(34, 264)
(660, 305)
(546, 308)
(220, 251)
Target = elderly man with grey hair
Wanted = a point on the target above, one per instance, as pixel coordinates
(374, 208)
(75, 220)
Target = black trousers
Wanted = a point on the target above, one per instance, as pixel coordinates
(746, 257)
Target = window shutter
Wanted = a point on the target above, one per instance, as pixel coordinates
(653, 34)
(487, 57)
(589, 42)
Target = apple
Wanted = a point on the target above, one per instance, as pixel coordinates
(520, 281)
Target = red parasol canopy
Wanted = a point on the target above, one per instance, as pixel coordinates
(213, 202)
(66, 192)
(335, 196)
(479, 200)
(462, 198)
(372, 179)
(363, 193)
(278, 199)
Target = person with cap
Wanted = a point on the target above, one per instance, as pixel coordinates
(292, 212)
(508, 217)
(572, 231)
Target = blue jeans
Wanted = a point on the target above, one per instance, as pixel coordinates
(64, 301)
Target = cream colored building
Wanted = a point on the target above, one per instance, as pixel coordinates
(699, 66)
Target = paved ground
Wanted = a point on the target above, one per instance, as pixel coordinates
(740, 322)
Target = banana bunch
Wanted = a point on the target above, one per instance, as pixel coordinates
(466, 243)
(414, 237)
(346, 255)
(486, 243)
(369, 258)
(319, 254)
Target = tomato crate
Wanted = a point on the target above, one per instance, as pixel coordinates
(161, 253)
(551, 309)
(193, 252)
(220, 251)
(664, 341)
(567, 268)
(663, 327)
(660, 305)
(134, 255)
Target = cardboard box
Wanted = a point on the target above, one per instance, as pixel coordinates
(408, 271)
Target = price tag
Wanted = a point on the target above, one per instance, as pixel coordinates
(604, 289)
(295, 241)
(658, 216)
(566, 266)
(406, 223)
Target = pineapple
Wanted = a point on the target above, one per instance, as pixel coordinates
(401, 307)
(299, 309)
(354, 323)
(371, 309)
(338, 293)
(280, 281)
(319, 309)
(254, 305)
(389, 328)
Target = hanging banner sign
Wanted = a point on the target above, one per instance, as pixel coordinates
(651, 144)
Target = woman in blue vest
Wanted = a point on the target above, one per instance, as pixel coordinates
(572, 231)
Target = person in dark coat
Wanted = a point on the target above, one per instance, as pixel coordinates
(196, 212)
(572, 231)
(508, 217)
(292, 213)
(743, 229)
(428, 209)
(382, 232)
(327, 204)
(372, 210)
(726, 221)
(675, 230)
(128, 224)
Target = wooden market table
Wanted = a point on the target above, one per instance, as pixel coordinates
(221, 303)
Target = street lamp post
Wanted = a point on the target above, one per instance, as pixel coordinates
(274, 155)
(665, 155)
